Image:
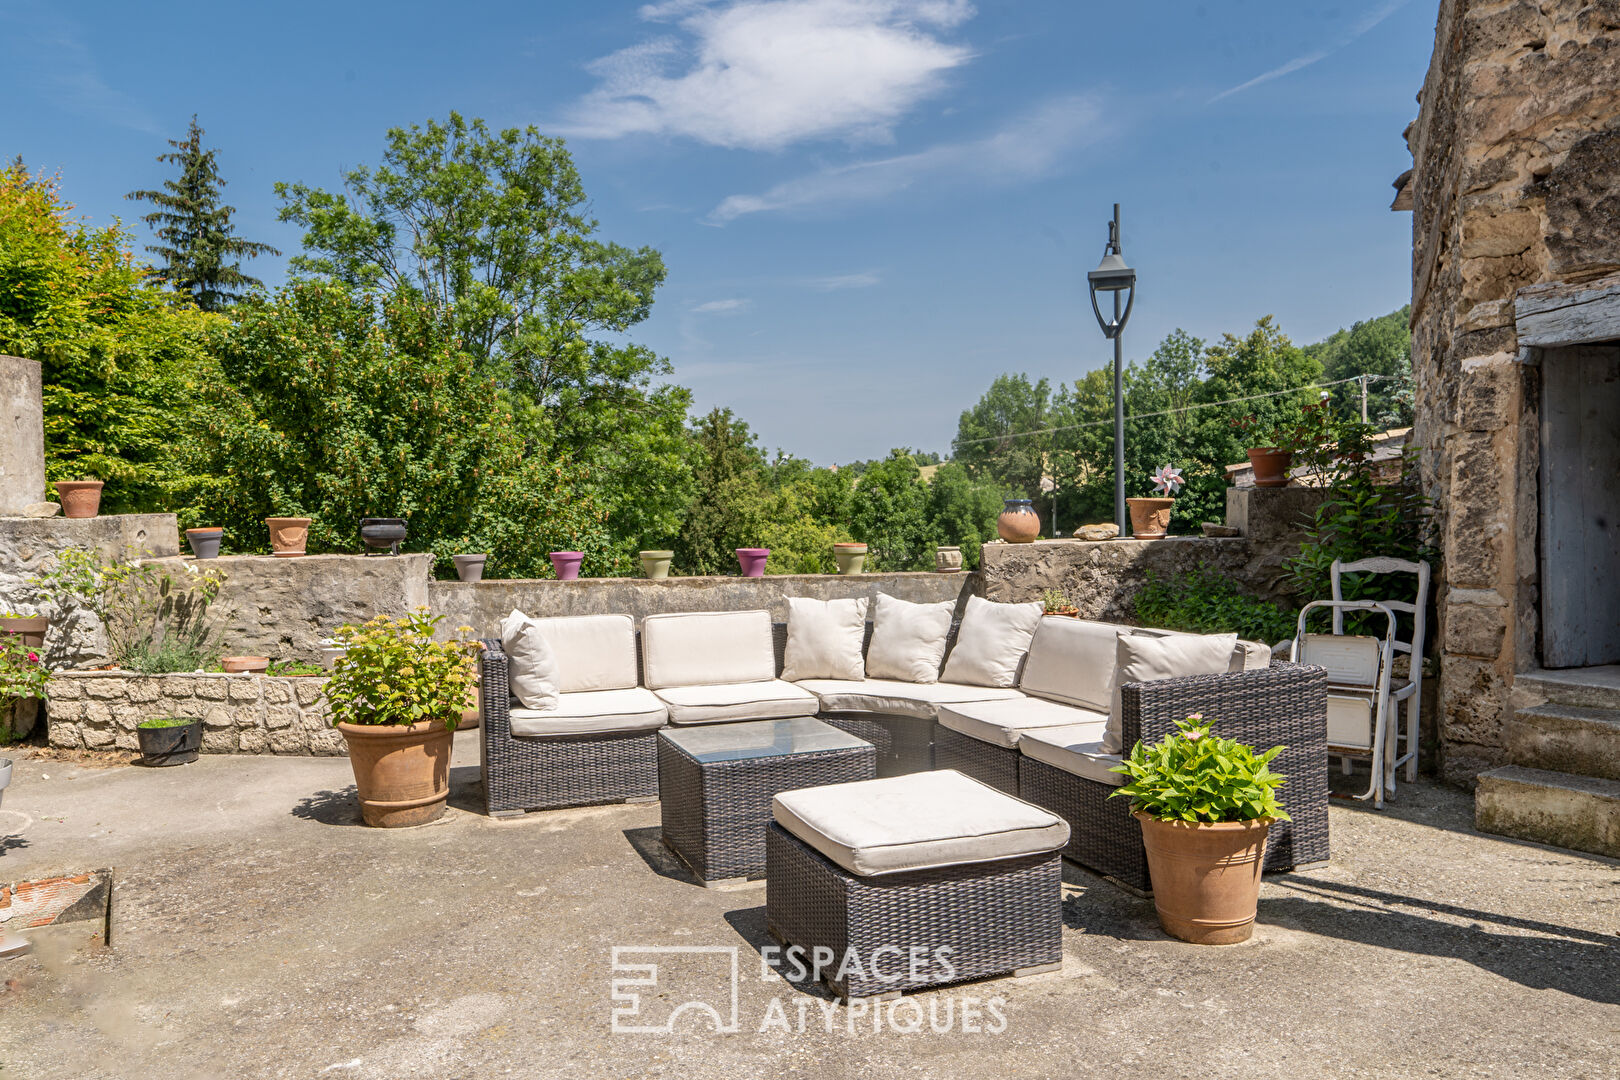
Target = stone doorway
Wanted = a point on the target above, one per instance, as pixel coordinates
(1580, 505)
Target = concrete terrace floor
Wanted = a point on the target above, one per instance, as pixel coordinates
(261, 932)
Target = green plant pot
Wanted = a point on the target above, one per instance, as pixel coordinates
(655, 564)
(851, 558)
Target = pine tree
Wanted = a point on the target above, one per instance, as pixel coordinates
(196, 238)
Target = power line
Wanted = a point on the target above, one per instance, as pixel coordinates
(1166, 412)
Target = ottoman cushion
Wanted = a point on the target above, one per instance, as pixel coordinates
(916, 822)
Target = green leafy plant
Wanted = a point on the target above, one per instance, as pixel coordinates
(153, 614)
(1192, 775)
(1054, 602)
(394, 672)
(1206, 602)
(21, 673)
(166, 722)
(1309, 428)
(295, 667)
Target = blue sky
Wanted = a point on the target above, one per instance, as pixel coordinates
(868, 208)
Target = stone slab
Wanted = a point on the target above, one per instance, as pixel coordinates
(1577, 812)
(22, 434)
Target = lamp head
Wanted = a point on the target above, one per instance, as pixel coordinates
(1112, 274)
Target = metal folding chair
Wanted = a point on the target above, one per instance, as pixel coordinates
(1359, 667)
(1407, 691)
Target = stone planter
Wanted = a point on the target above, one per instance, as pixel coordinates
(288, 536)
(80, 498)
(655, 564)
(851, 557)
(470, 567)
(1018, 523)
(1206, 876)
(175, 745)
(948, 559)
(566, 564)
(31, 628)
(1270, 466)
(752, 561)
(205, 542)
(401, 774)
(1150, 518)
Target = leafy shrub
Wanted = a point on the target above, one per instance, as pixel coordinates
(394, 672)
(21, 673)
(153, 615)
(166, 722)
(1205, 602)
(1191, 775)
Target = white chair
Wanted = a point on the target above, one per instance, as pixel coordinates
(1359, 669)
(1403, 745)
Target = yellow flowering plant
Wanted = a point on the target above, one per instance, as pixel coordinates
(395, 672)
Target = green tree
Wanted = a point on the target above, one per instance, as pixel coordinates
(730, 496)
(1382, 347)
(199, 247)
(889, 512)
(962, 510)
(1003, 437)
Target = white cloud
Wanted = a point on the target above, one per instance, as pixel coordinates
(1030, 147)
(723, 307)
(762, 74)
(863, 280)
(1307, 59)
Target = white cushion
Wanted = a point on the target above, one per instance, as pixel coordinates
(892, 697)
(1075, 749)
(593, 712)
(531, 666)
(908, 640)
(713, 704)
(1251, 656)
(1072, 660)
(1000, 722)
(594, 652)
(1148, 659)
(824, 639)
(705, 648)
(991, 642)
(916, 822)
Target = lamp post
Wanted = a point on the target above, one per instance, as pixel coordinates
(1114, 276)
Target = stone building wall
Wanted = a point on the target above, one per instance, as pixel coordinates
(1516, 181)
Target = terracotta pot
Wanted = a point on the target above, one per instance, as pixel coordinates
(948, 559)
(470, 567)
(566, 564)
(752, 561)
(851, 557)
(80, 498)
(1206, 876)
(1150, 518)
(241, 665)
(1018, 523)
(471, 715)
(30, 628)
(1067, 613)
(205, 542)
(288, 536)
(401, 774)
(1270, 466)
(655, 564)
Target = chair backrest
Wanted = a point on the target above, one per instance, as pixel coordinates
(706, 648)
(1418, 608)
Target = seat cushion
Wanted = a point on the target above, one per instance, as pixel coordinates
(916, 822)
(1075, 749)
(764, 700)
(594, 652)
(593, 712)
(991, 643)
(707, 648)
(892, 697)
(908, 640)
(531, 665)
(1148, 659)
(824, 639)
(1072, 660)
(1000, 722)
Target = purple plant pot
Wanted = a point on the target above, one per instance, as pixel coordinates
(752, 561)
(566, 563)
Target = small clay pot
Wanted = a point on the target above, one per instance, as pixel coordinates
(851, 557)
(1270, 465)
(288, 536)
(205, 542)
(655, 564)
(1150, 517)
(566, 564)
(470, 567)
(239, 665)
(1206, 876)
(948, 559)
(1018, 523)
(753, 560)
(80, 498)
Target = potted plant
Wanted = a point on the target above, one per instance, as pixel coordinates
(1018, 523)
(655, 564)
(22, 684)
(204, 541)
(169, 740)
(79, 498)
(30, 628)
(566, 564)
(1205, 804)
(851, 557)
(1150, 517)
(1273, 444)
(470, 567)
(1055, 603)
(288, 535)
(752, 561)
(397, 694)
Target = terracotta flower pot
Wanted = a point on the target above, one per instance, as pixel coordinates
(205, 542)
(30, 628)
(655, 564)
(288, 535)
(1066, 613)
(851, 557)
(1270, 465)
(1150, 518)
(753, 560)
(470, 567)
(245, 665)
(566, 564)
(1018, 523)
(80, 498)
(401, 773)
(1206, 876)
(948, 559)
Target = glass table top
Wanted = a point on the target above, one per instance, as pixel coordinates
(760, 738)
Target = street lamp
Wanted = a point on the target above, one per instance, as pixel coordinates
(1114, 276)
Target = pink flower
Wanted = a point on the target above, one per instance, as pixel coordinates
(1196, 716)
(33, 658)
(1192, 736)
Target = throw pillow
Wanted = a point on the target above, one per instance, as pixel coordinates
(531, 672)
(824, 639)
(992, 642)
(1148, 659)
(908, 640)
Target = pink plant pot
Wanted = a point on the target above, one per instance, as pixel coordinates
(752, 561)
(566, 563)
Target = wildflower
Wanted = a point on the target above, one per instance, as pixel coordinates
(33, 658)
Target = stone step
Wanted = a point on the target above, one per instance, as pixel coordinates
(1567, 739)
(1592, 688)
(1578, 812)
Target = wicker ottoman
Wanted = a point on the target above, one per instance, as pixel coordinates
(716, 782)
(907, 882)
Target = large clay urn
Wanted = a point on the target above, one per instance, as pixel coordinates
(402, 772)
(1206, 876)
(1150, 518)
(1018, 523)
(288, 535)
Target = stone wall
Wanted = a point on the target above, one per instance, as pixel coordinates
(1516, 161)
(241, 714)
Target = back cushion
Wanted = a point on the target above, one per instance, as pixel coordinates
(531, 666)
(1140, 659)
(707, 648)
(593, 652)
(908, 640)
(991, 643)
(824, 639)
(1072, 660)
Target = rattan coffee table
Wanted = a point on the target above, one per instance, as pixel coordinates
(716, 782)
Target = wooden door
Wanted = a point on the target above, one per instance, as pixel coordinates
(1580, 506)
